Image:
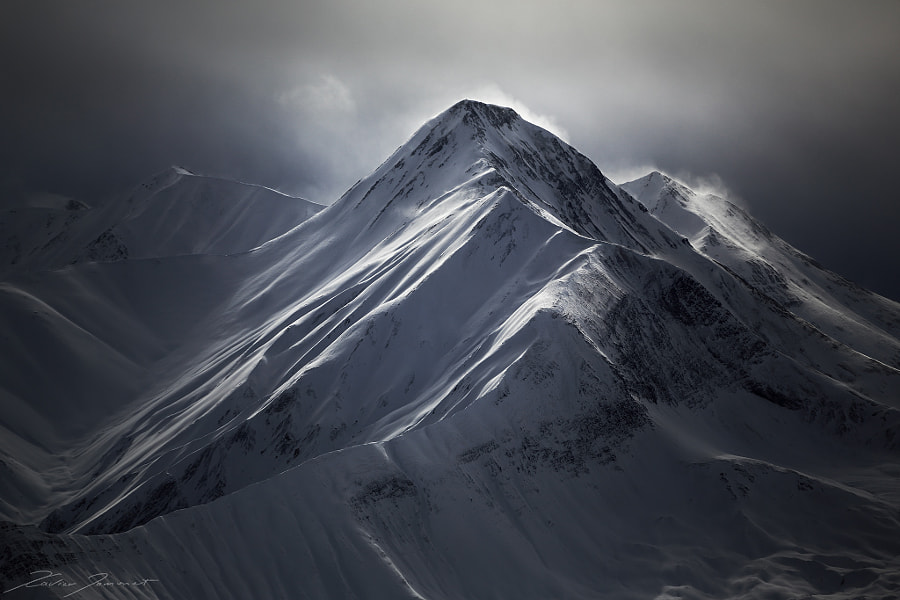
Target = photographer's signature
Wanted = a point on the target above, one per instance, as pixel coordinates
(52, 579)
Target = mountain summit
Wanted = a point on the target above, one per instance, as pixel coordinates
(494, 145)
(485, 371)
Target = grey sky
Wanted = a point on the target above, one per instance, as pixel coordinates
(790, 105)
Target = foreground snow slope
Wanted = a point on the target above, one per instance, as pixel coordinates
(486, 371)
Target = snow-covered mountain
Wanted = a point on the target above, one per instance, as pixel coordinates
(175, 212)
(725, 233)
(486, 371)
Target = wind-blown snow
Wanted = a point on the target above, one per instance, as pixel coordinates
(486, 371)
(724, 232)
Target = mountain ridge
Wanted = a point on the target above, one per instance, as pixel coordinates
(173, 212)
(787, 276)
(485, 371)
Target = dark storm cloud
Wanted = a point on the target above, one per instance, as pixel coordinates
(103, 94)
(791, 105)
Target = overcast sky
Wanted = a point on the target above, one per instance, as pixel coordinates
(792, 106)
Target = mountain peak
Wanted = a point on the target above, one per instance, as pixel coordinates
(657, 179)
(498, 116)
(476, 145)
(658, 176)
(655, 187)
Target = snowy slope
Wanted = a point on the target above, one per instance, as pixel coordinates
(485, 371)
(724, 232)
(100, 328)
(175, 212)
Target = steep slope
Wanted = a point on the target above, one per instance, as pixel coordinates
(484, 372)
(272, 329)
(83, 345)
(724, 232)
(415, 234)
